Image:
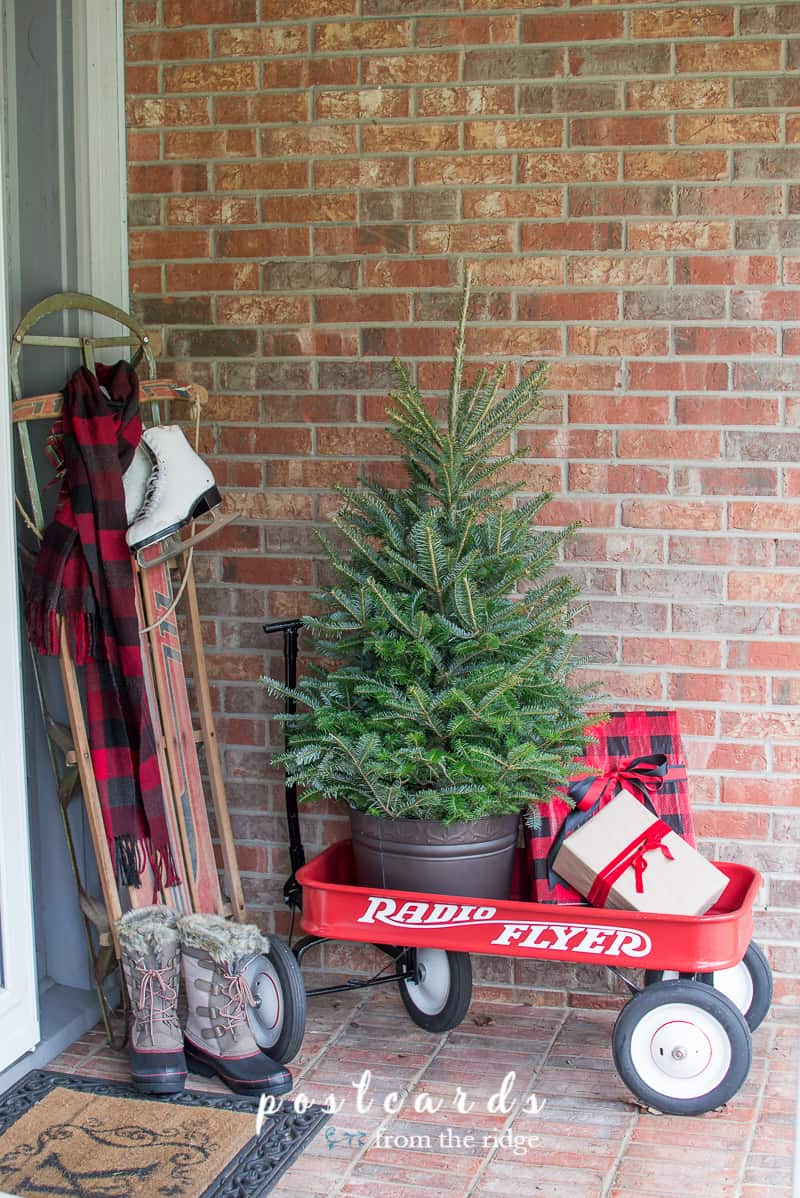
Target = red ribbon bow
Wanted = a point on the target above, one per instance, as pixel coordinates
(632, 856)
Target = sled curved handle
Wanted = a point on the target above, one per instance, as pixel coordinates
(71, 301)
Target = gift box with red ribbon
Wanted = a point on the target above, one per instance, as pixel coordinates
(626, 857)
(621, 757)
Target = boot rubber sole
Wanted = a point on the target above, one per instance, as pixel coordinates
(204, 1068)
(209, 501)
(156, 1085)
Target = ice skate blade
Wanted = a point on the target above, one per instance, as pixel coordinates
(207, 503)
(218, 522)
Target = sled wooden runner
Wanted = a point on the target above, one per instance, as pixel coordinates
(165, 679)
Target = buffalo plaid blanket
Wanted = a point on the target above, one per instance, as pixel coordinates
(625, 735)
(83, 587)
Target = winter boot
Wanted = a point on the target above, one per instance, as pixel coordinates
(135, 480)
(181, 487)
(150, 952)
(217, 1036)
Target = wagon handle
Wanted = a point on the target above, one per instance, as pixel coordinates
(292, 890)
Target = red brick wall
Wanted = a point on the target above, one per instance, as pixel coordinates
(309, 178)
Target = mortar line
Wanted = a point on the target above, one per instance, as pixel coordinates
(759, 1105)
(518, 1107)
(332, 1038)
(404, 1091)
(796, 1169)
(608, 1180)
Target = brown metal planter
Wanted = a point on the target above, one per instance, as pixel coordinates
(473, 858)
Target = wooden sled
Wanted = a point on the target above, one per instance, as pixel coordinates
(177, 738)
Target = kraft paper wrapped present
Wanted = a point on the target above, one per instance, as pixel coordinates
(624, 736)
(626, 857)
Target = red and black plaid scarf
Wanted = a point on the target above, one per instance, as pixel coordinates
(84, 584)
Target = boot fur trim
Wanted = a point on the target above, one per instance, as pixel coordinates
(142, 930)
(223, 941)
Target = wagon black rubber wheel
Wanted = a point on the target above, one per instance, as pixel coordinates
(278, 1021)
(682, 1047)
(440, 998)
(748, 985)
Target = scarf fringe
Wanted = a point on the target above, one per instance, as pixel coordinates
(126, 864)
(162, 864)
(133, 854)
(44, 631)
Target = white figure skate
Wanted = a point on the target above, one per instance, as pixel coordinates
(180, 488)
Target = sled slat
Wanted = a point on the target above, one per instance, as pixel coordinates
(48, 407)
(178, 897)
(213, 764)
(181, 749)
(91, 797)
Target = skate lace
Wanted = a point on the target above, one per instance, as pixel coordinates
(240, 997)
(157, 996)
(150, 493)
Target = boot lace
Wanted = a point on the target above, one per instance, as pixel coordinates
(157, 997)
(240, 997)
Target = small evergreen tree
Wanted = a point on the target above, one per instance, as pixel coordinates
(443, 695)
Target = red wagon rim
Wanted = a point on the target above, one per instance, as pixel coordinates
(335, 908)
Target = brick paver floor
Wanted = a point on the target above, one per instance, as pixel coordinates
(574, 1131)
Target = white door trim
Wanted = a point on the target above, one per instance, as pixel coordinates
(19, 1018)
(98, 55)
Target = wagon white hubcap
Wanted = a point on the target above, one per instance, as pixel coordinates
(266, 1017)
(735, 983)
(680, 1051)
(429, 994)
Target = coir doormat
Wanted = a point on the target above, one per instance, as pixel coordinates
(89, 1138)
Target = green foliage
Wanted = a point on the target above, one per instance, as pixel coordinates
(446, 640)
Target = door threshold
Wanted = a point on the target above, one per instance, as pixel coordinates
(65, 1013)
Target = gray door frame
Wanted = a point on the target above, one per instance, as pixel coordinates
(19, 1016)
(89, 129)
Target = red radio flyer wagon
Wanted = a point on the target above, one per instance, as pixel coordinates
(682, 1042)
